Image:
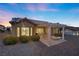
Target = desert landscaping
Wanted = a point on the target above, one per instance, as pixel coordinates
(68, 48)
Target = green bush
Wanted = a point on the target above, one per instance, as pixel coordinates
(35, 37)
(2, 31)
(58, 35)
(24, 39)
(10, 40)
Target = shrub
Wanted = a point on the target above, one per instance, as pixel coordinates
(35, 37)
(24, 39)
(2, 31)
(10, 40)
(58, 35)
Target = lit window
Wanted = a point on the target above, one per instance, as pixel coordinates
(25, 31)
(18, 31)
(40, 30)
(31, 31)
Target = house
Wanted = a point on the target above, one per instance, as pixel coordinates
(2, 28)
(70, 30)
(28, 27)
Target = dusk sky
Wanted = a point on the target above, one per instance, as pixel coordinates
(52, 12)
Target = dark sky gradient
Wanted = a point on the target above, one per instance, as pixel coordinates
(51, 12)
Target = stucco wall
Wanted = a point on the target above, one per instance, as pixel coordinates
(21, 24)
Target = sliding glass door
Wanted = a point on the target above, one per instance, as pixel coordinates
(56, 31)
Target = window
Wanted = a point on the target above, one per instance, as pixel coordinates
(31, 31)
(18, 31)
(25, 31)
(40, 30)
(56, 31)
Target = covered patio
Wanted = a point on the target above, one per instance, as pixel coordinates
(55, 35)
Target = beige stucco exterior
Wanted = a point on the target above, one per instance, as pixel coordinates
(22, 24)
(47, 27)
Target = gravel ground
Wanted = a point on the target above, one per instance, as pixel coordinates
(68, 48)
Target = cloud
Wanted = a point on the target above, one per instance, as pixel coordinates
(0, 21)
(31, 7)
(13, 4)
(6, 16)
(36, 17)
(52, 10)
(74, 10)
(44, 7)
(40, 7)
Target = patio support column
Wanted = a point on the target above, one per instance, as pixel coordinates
(63, 33)
(49, 32)
(77, 33)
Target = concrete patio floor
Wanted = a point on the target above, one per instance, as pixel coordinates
(51, 42)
